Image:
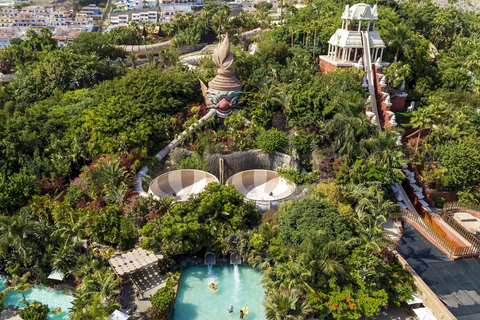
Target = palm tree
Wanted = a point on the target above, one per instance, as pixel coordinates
(70, 227)
(382, 150)
(102, 282)
(14, 232)
(91, 308)
(219, 20)
(347, 132)
(372, 237)
(133, 58)
(285, 306)
(168, 28)
(322, 256)
(112, 178)
(421, 119)
(400, 39)
(288, 276)
(370, 200)
(20, 283)
(46, 34)
(207, 13)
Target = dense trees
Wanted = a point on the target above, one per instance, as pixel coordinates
(76, 126)
(204, 220)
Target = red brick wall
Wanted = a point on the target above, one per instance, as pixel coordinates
(398, 103)
(326, 67)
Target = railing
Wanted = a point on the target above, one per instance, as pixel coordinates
(457, 226)
(444, 243)
(450, 248)
(461, 206)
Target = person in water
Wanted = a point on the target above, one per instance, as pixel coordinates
(230, 310)
(241, 314)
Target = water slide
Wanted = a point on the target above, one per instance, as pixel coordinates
(444, 229)
(367, 62)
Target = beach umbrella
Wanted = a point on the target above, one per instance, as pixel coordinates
(117, 315)
(56, 274)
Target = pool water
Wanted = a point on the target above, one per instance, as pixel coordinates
(50, 297)
(237, 285)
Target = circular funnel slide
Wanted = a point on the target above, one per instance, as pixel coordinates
(180, 184)
(261, 185)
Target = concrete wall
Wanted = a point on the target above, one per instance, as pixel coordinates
(248, 160)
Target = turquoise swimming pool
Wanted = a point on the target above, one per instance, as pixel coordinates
(237, 285)
(50, 297)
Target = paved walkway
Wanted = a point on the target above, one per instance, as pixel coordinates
(149, 281)
(456, 283)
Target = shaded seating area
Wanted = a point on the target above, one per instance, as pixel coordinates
(147, 278)
(133, 260)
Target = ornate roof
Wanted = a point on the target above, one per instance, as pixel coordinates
(223, 58)
(360, 11)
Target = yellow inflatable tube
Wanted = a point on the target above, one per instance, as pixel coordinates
(213, 287)
(245, 310)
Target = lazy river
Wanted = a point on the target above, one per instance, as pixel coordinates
(50, 297)
(238, 285)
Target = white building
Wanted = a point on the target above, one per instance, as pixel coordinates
(124, 18)
(136, 4)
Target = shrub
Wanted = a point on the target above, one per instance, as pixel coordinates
(195, 161)
(272, 140)
(155, 313)
(5, 67)
(439, 201)
(163, 298)
(304, 142)
(310, 215)
(35, 311)
(298, 177)
(3, 296)
(462, 160)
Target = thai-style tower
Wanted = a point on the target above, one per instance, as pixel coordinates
(357, 44)
(224, 90)
(345, 47)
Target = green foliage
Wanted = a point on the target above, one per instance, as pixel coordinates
(92, 42)
(322, 97)
(3, 296)
(360, 172)
(155, 313)
(285, 306)
(15, 191)
(263, 5)
(439, 201)
(303, 142)
(195, 161)
(62, 71)
(204, 220)
(35, 311)
(298, 177)
(132, 110)
(163, 298)
(272, 140)
(310, 215)
(122, 36)
(462, 160)
(273, 52)
(347, 302)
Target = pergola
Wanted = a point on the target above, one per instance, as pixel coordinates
(133, 260)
